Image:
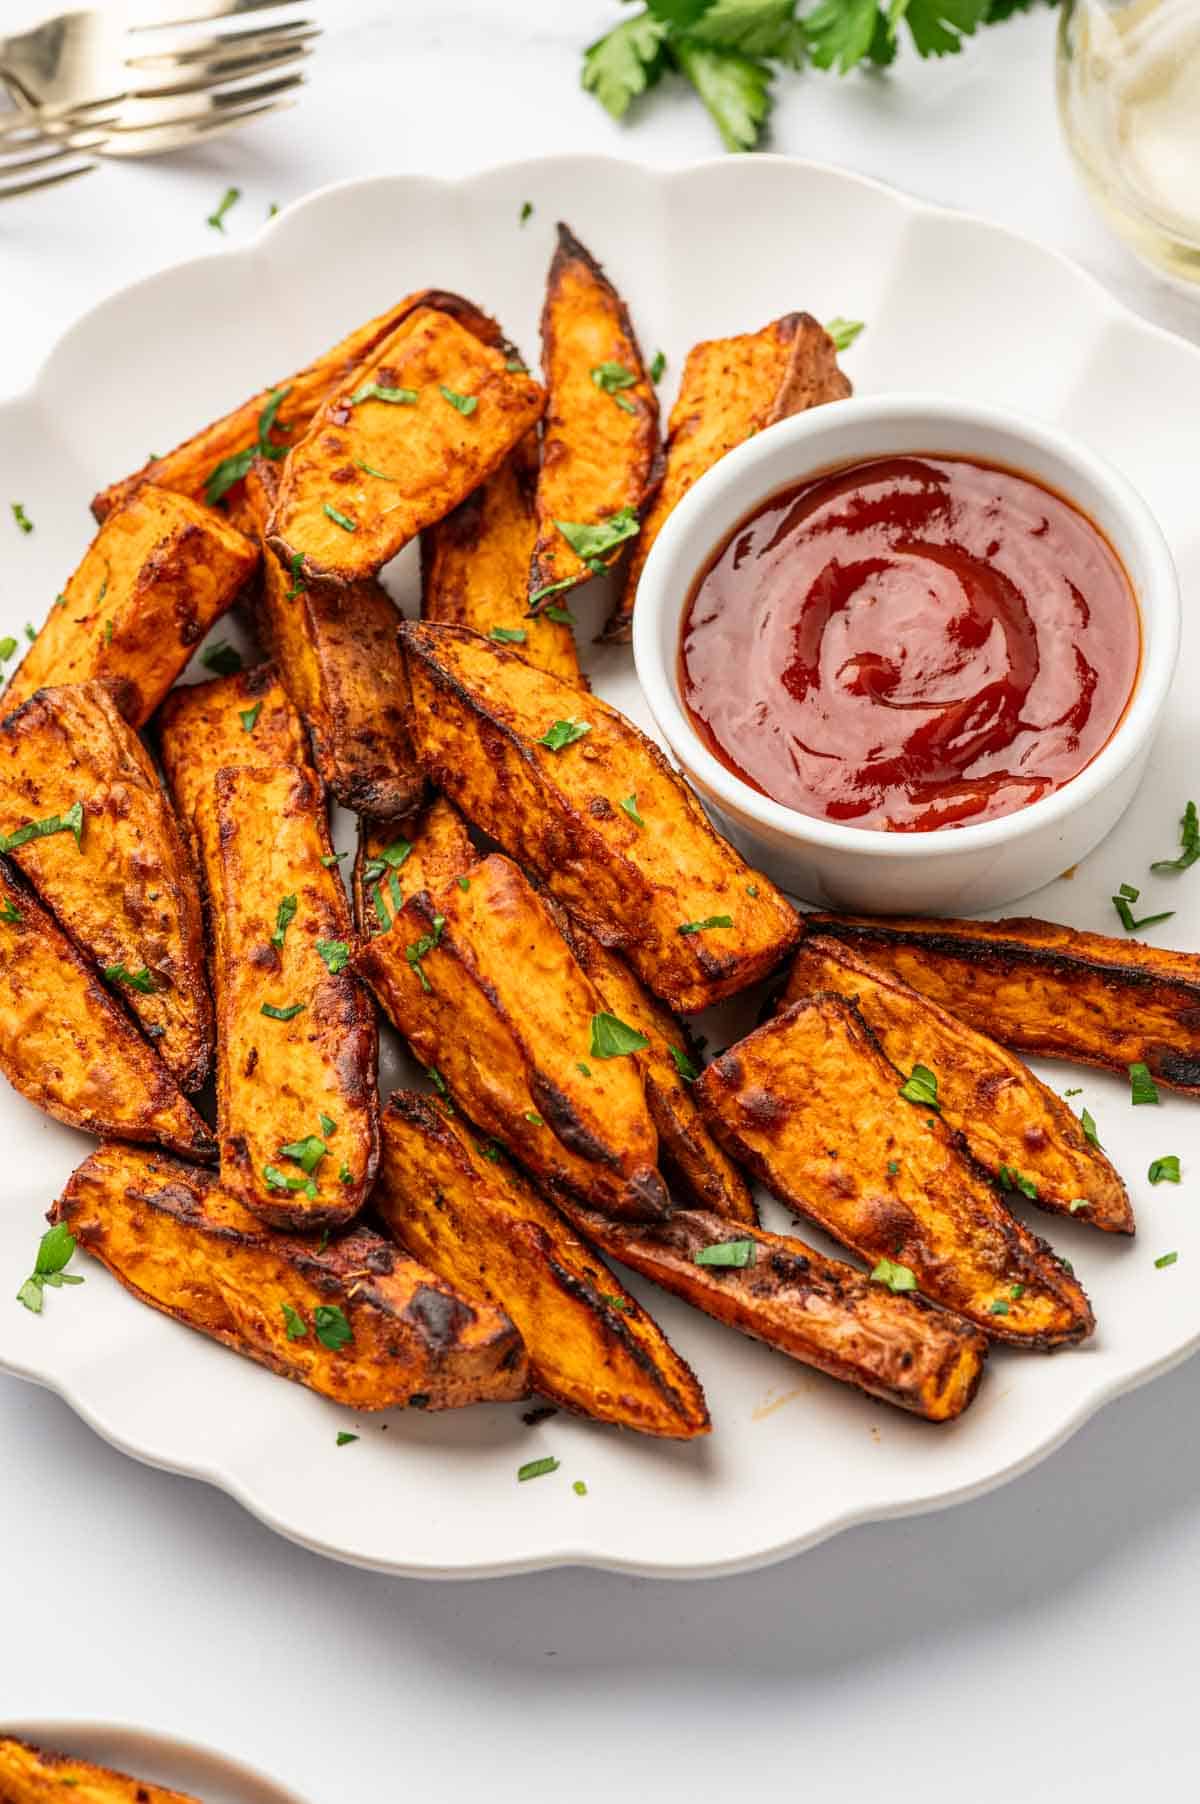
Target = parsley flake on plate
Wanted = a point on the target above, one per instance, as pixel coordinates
(21, 517)
(53, 1256)
(844, 331)
(1142, 1087)
(1164, 1170)
(1189, 840)
(216, 218)
(536, 1468)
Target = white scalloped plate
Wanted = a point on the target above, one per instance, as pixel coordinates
(951, 303)
(159, 1759)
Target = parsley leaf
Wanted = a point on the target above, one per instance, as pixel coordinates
(1127, 894)
(839, 32)
(216, 219)
(629, 804)
(526, 211)
(703, 926)
(1164, 1170)
(898, 1278)
(1142, 1087)
(613, 376)
(53, 1256)
(536, 1468)
(21, 517)
(767, 28)
(844, 331)
(333, 1330)
(282, 1014)
(612, 1038)
(1087, 1122)
(306, 1153)
(658, 364)
(249, 718)
(508, 635)
(374, 391)
(625, 62)
(133, 980)
(339, 519)
(70, 822)
(734, 88)
(1012, 1179)
(284, 916)
(336, 954)
(9, 911)
(594, 541)
(563, 732)
(8, 646)
(727, 1253)
(938, 27)
(464, 404)
(344, 1439)
(683, 1064)
(1189, 839)
(1165, 1259)
(295, 1323)
(922, 1088)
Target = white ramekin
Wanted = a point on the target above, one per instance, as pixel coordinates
(954, 869)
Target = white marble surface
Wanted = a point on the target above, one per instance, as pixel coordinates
(1038, 1643)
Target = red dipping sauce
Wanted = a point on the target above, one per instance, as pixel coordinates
(911, 643)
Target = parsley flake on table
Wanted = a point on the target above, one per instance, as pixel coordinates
(526, 211)
(1164, 1170)
(579, 1488)
(537, 1468)
(733, 1253)
(53, 1256)
(658, 364)
(1124, 896)
(344, 1439)
(8, 646)
(613, 1039)
(898, 1278)
(216, 218)
(1189, 839)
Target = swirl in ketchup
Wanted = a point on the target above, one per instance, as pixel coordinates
(911, 643)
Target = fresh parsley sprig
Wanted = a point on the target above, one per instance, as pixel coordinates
(729, 49)
(53, 1256)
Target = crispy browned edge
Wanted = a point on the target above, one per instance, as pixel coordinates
(908, 1352)
(712, 1090)
(359, 705)
(64, 709)
(162, 1094)
(189, 465)
(1113, 1214)
(340, 1269)
(718, 977)
(568, 249)
(63, 1771)
(611, 1314)
(810, 379)
(1131, 975)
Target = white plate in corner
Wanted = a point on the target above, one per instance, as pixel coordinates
(950, 303)
(210, 1777)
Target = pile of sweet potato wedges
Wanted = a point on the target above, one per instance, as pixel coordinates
(536, 901)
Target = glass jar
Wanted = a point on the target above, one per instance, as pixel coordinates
(1129, 100)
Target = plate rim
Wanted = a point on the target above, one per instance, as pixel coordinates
(588, 165)
(42, 1732)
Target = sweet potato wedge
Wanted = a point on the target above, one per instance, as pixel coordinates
(730, 389)
(817, 1310)
(687, 1153)
(399, 858)
(69, 1049)
(355, 1320)
(1016, 1128)
(247, 718)
(601, 454)
(1056, 992)
(694, 921)
(187, 469)
(335, 647)
(483, 986)
(125, 889)
(475, 569)
(812, 1106)
(30, 1775)
(371, 471)
(157, 575)
(297, 1106)
(470, 1215)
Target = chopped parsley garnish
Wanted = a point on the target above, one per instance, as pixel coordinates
(395, 854)
(306, 1153)
(222, 476)
(298, 584)
(613, 376)
(1077, 1091)
(1164, 1170)
(922, 1088)
(1088, 1124)
(9, 911)
(893, 1166)
(1127, 894)
(31, 632)
(295, 1323)
(382, 915)
(1078, 1203)
(1012, 1179)
(596, 541)
(333, 1330)
(564, 732)
(222, 657)
(133, 980)
(21, 517)
(8, 646)
(612, 1038)
(374, 391)
(1142, 1087)
(844, 331)
(621, 1303)
(752, 891)
(332, 859)
(685, 1067)
(279, 1180)
(370, 470)
(533, 1116)
(703, 926)
(328, 1125)
(490, 1150)
(344, 1439)
(336, 954)
(464, 404)
(658, 364)
(1016, 1291)
(437, 1080)
(561, 616)
(736, 1253)
(579, 1488)
(266, 425)
(339, 519)
(249, 717)
(345, 1175)
(416, 951)
(464, 883)
(53, 1256)
(1189, 839)
(999, 1307)
(508, 635)
(629, 804)
(568, 582)
(285, 914)
(526, 211)
(1165, 1259)
(70, 822)
(515, 367)
(282, 1014)
(216, 219)
(897, 1277)
(536, 1468)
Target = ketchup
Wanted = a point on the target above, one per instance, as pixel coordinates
(911, 643)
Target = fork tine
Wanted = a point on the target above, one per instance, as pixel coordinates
(204, 77)
(72, 148)
(200, 12)
(153, 140)
(51, 122)
(44, 181)
(230, 43)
